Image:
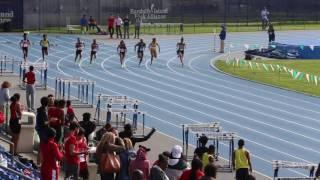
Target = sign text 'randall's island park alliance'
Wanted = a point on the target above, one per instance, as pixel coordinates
(149, 14)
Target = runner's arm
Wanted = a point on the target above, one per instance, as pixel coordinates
(249, 161)
(158, 47)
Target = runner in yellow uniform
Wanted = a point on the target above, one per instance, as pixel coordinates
(153, 49)
(44, 43)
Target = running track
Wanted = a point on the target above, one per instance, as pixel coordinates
(275, 123)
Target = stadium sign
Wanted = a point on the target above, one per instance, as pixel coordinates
(151, 13)
(6, 16)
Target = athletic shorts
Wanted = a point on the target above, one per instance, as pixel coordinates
(45, 49)
(140, 54)
(25, 50)
(242, 173)
(14, 125)
(78, 52)
(93, 53)
(122, 54)
(153, 52)
(180, 51)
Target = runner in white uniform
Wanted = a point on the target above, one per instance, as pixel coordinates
(79, 48)
(24, 45)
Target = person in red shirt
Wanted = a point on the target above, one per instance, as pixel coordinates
(30, 87)
(15, 116)
(50, 165)
(72, 152)
(70, 116)
(111, 20)
(56, 118)
(82, 145)
(195, 173)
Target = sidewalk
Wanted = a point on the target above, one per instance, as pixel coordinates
(158, 143)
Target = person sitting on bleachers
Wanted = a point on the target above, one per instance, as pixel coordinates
(210, 172)
(92, 23)
(87, 125)
(128, 133)
(141, 163)
(199, 151)
(176, 164)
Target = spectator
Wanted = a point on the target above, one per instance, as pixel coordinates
(51, 100)
(42, 124)
(56, 119)
(128, 133)
(72, 152)
(84, 24)
(126, 24)
(125, 158)
(50, 166)
(195, 172)
(70, 115)
(241, 161)
(82, 145)
(102, 131)
(210, 172)
(222, 35)
(137, 175)
(111, 20)
(166, 153)
(137, 27)
(92, 23)
(176, 163)
(264, 18)
(158, 171)
(30, 88)
(87, 125)
(4, 95)
(208, 155)
(15, 116)
(107, 145)
(271, 33)
(317, 174)
(141, 162)
(199, 151)
(118, 23)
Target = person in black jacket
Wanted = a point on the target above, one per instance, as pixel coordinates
(271, 33)
(128, 133)
(42, 123)
(222, 36)
(87, 125)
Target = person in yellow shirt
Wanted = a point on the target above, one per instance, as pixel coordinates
(153, 49)
(44, 43)
(241, 161)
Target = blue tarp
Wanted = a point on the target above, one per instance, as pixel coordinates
(299, 51)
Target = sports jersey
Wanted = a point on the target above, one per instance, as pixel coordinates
(44, 43)
(141, 46)
(94, 47)
(25, 43)
(181, 46)
(122, 48)
(79, 46)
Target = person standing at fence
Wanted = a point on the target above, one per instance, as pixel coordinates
(30, 79)
(122, 49)
(137, 27)
(15, 117)
(141, 47)
(180, 50)
(4, 95)
(271, 33)
(153, 49)
(241, 161)
(264, 18)
(111, 20)
(44, 43)
(126, 25)
(84, 24)
(94, 50)
(222, 36)
(79, 48)
(24, 45)
(118, 26)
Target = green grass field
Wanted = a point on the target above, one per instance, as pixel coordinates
(280, 79)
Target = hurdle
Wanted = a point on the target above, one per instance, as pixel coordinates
(120, 102)
(279, 164)
(7, 65)
(63, 91)
(214, 133)
(121, 119)
(41, 79)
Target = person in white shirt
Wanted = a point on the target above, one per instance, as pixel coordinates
(118, 26)
(264, 18)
